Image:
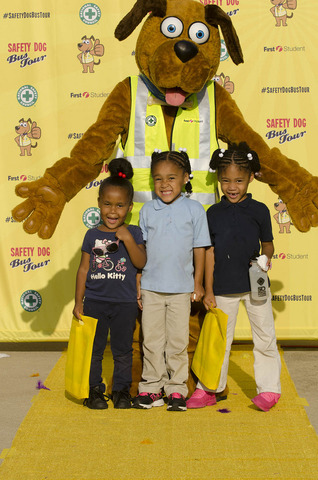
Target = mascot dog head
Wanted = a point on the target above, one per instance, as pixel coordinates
(178, 48)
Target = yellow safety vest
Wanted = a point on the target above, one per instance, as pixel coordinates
(194, 129)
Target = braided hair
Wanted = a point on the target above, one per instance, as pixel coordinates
(180, 158)
(238, 154)
(121, 172)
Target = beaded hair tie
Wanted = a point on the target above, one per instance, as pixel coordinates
(184, 150)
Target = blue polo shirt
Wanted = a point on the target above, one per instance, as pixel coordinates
(171, 232)
(236, 231)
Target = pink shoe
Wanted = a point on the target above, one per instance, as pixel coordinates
(266, 400)
(201, 398)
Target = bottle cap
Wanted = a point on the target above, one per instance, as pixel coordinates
(254, 257)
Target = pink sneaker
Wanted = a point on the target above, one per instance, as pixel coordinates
(266, 400)
(201, 398)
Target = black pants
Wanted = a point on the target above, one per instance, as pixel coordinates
(120, 320)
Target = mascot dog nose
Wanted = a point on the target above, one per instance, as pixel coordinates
(185, 50)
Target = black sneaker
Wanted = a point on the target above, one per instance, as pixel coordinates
(96, 399)
(121, 399)
(176, 403)
(146, 400)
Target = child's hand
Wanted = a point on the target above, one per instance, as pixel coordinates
(123, 233)
(138, 286)
(197, 294)
(209, 301)
(139, 301)
(78, 311)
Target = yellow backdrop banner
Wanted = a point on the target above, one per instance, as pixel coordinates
(51, 92)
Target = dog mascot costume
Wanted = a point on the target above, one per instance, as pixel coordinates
(178, 54)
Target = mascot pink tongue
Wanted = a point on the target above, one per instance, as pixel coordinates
(175, 96)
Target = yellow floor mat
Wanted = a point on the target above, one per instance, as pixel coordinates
(61, 440)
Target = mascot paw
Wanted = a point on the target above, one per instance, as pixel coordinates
(303, 207)
(42, 208)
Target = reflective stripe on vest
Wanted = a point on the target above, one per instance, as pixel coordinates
(194, 129)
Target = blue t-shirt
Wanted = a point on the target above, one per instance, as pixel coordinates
(171, 232)
(111, 276)
(236, 231)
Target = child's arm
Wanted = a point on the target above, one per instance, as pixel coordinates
(268, 250)
(198, 260)
(137, 253)
(209, 298)
(80, 285)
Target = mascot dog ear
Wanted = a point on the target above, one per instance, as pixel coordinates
(128, 24)
(215, 16)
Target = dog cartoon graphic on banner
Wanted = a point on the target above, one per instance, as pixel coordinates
(27, 130)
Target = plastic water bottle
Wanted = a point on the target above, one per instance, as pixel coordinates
(258, 281)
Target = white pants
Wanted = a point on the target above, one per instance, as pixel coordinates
(165, 329)
(267, 363)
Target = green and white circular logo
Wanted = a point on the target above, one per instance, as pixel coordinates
(31, 300)
(90, 13)
(27, 95)
(224, 52)
(91, 217)
(151, 120)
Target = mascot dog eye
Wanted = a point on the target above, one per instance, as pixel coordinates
(171, 27)
(199, 33)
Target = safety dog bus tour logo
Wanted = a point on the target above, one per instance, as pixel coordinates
(20, 53)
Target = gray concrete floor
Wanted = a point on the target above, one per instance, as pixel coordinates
(18, 386)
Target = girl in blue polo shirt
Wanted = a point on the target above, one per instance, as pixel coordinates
(176, 233)
(239, 226)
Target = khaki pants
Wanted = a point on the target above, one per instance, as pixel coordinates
(165, 328)
(267, 363)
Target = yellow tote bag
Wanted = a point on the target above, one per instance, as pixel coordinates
(79, 356)
(210, 350)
